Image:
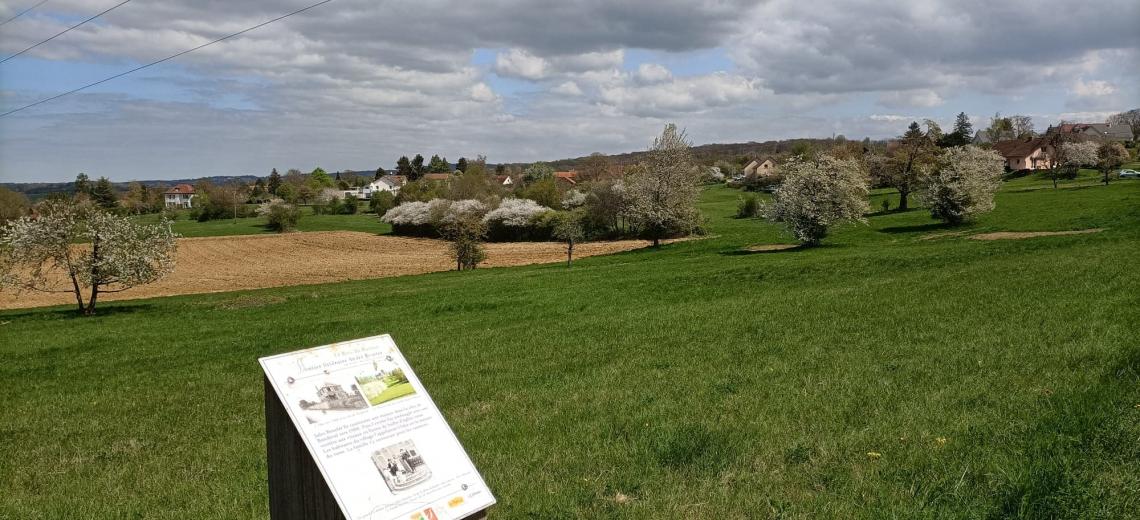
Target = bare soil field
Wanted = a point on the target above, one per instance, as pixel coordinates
(219, 264)
(1018, 235)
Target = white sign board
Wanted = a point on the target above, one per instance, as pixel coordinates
(379, 440)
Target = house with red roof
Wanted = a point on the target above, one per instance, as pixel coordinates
(180, 196)
(1026, 154)
(570, 177)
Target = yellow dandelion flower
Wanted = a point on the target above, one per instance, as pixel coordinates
(941, 441)
(874, 455)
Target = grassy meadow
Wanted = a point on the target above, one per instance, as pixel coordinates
(885, 374)
(187, 227)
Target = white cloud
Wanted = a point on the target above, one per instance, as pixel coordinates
(567, 88)
(650, 73)
(520, 64)
(483, 93)
(911, 98)
(1092, 88)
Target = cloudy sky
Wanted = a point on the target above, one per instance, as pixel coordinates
(353, 84)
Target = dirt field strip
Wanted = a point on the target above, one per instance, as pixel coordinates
(232, 263)
(1018, 235)
(767, 248)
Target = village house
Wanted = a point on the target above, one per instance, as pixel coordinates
(180, 196)
(570, 177)
(387, 183)
(761, 167)
(445, 177)
(1098, 131)
(1022, 154)
(504, 180)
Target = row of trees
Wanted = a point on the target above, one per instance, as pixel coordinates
(655, 200)
(957, 184)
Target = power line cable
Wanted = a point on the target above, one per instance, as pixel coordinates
(22, 13)
(65, 31)
(168, 58)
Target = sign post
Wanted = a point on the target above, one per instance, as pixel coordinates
(352, 434)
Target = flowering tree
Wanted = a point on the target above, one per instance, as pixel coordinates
(515, 212)
(466, 232)
(663, 195)
(568, 228)
(280, 216)
(1069, 156)
(64, 247)
(1110, 156)
(963, 185)
(818, 193)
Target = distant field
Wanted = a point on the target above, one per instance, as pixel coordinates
(362, 222)
(230, 263)
(901, 370)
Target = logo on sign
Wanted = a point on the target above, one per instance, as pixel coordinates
(427, 514)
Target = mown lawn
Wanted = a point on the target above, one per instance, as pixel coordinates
(881, 375)
(183, 225)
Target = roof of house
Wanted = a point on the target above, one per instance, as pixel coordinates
(1102, 129)
(503, 178)
(437, 176)
(570, 176)
(181, 189)
(1018, 147)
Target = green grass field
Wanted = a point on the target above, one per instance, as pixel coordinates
(183, 225)
(880, 375)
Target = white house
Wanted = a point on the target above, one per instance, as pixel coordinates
(180, 196)
(388, 183)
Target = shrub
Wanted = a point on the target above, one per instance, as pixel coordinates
(349, 206)
(817, 193)
(515, 212)
(963, 184)
(518, 219)
(748, 206)
(465, 231)
(381, 202)
(281, 216)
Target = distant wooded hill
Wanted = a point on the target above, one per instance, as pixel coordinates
(739, 153)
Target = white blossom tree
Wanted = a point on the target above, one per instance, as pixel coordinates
(1069, 156)
(79, 249)
(963, 184)
(663, 195)
(818, 193)
(515, 212)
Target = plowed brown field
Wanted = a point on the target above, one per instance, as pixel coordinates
(218, 264)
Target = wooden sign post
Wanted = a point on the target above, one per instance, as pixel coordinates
(351, 434)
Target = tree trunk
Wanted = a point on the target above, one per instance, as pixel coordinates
(78, 293)
(569, 252)
(656, 241)
(90, 310)
(903, 194)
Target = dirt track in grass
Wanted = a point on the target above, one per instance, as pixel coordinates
(1019, 235)
(219, 264)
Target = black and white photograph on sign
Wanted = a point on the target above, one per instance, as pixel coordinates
(330, 400)
(401, 465)
(383, 382)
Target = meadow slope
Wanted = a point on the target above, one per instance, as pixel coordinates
(881, 375)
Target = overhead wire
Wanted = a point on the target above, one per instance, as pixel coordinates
(168, 58)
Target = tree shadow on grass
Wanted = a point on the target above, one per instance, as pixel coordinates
(70, 312)
(918, 228)
(895, 211)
